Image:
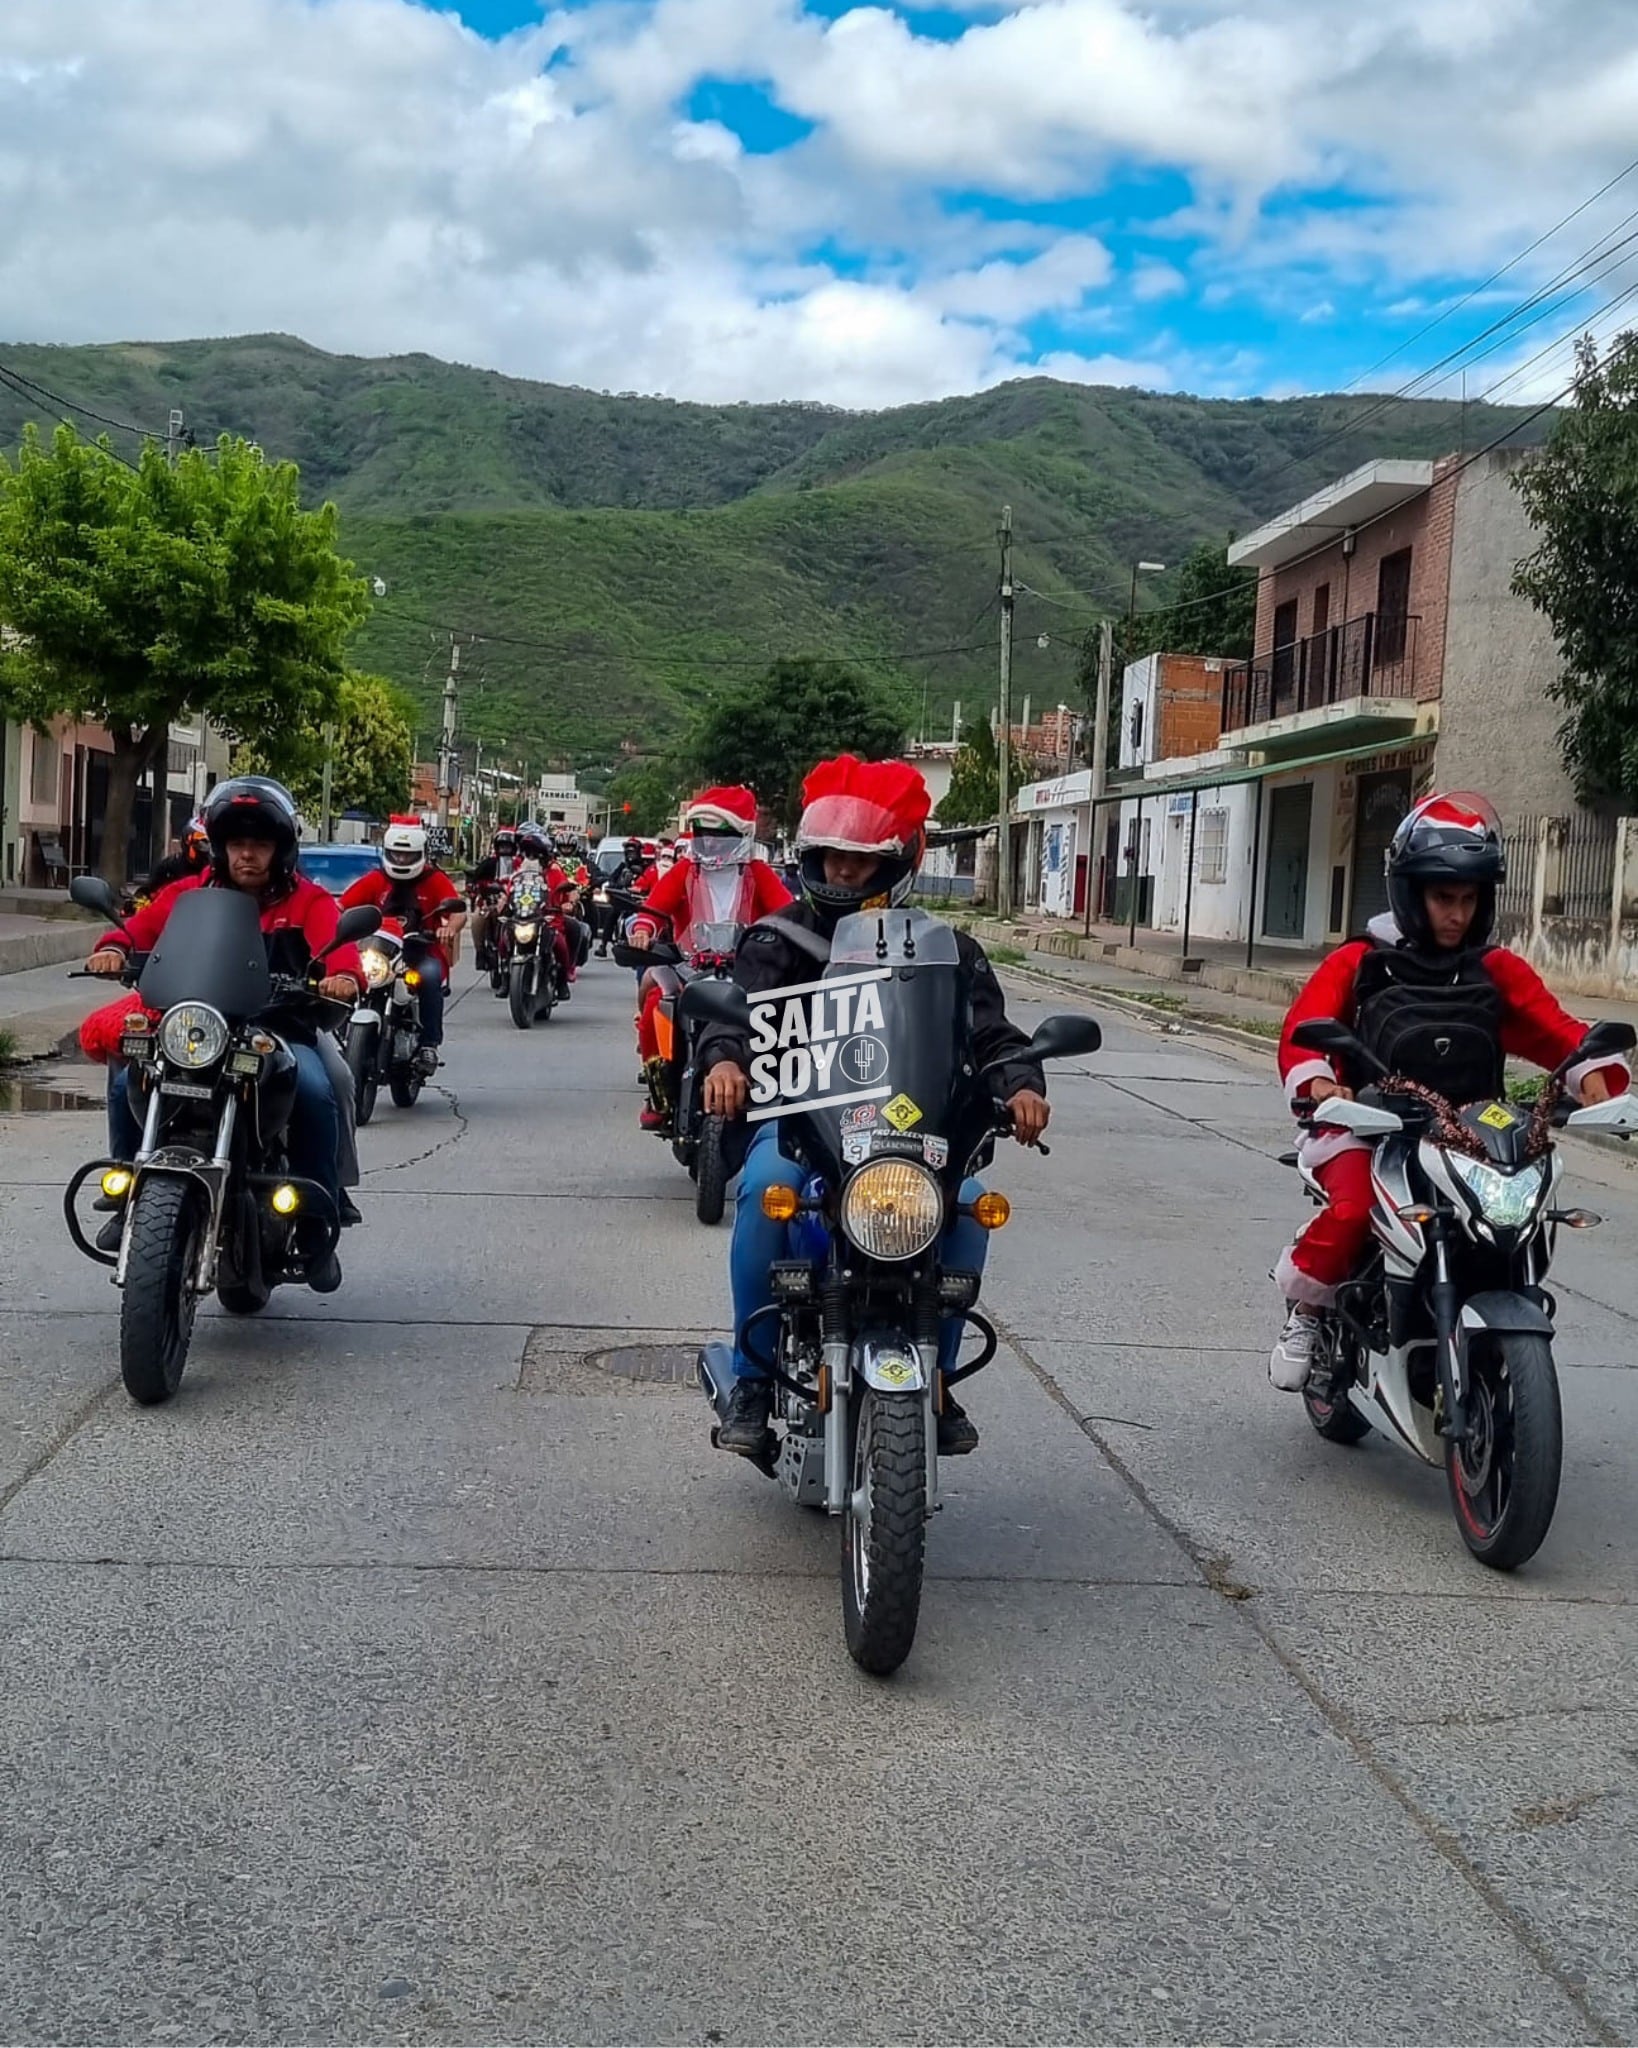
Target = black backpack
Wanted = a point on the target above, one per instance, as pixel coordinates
(1433, 1019)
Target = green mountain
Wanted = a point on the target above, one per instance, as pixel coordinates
(622, 557)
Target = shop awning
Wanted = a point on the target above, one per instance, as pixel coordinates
(1224, 778)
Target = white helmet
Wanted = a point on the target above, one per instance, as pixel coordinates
(404, 849)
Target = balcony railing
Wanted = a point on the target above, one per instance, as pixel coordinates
(1372, 656)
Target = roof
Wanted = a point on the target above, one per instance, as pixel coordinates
(1368, 493)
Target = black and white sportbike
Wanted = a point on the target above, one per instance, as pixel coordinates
(1444, 1342)
(209, 1201)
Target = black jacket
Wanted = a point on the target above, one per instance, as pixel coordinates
(770, 958)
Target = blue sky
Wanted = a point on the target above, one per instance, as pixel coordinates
(865, 204)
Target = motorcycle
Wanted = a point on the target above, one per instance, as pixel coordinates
(1444, 1343)
(702, 1145)
(209, 1201)
(384, 1034)
(527, 954)
(851, 1337)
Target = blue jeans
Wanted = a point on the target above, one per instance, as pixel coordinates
(432, 993)
(757, 1243)
(315, 1122)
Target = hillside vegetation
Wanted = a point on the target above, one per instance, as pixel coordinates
(623, 555)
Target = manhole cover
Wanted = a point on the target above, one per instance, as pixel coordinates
(557, 1361)
(654, 1364)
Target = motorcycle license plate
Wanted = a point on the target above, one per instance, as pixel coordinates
(195, 1091)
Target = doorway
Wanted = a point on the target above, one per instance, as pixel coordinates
(1285, 891)
(1383, 801)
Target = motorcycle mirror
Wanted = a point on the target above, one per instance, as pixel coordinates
(1605, 1041)
(716, 1002)
(355, 924)
(91, 892)
(1063, 1036)
(451, 907)
(1324, 1034)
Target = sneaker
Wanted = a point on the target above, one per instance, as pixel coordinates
(427, 1061)
(957, 1432)
(744, 1429)
(1292, 1359)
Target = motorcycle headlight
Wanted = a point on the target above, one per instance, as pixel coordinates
(377, 967)
(1508, 1200)
(524, 934)
(193, 1035)
(892, 1209)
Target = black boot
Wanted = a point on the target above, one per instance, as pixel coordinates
(957, 1432)
(744, 1429)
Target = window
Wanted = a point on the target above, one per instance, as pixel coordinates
(1211, 846)
(1136, 727)
(1284, 663)
(1322, 607)
(45, 767)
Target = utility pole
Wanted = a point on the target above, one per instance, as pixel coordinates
(1100, 759)
(446, 745)
(325, 785)
(1003, 759)
(174, 430)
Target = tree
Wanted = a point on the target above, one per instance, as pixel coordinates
(141, 597)
(650, 787)
(370, 754)
(974, 795)
(770, 732)
(1581, 493)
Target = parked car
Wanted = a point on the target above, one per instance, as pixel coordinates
(336, 867)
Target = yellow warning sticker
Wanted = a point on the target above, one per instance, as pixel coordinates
(901, 1113)
(1498, 1117)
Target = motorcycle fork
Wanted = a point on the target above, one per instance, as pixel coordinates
(834, 1355)
(1447, 1324)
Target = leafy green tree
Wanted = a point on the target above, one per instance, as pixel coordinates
(974, 795)
(651, 789)
(370, 757)
(769, 732)
(1582, 496)
(143, 596)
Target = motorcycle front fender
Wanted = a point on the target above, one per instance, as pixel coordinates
(365, 1018)
(210, 1179)
(892, 1365)
(1500, 1309)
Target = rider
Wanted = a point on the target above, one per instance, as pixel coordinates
(721, 825)
(408, 889)
(486, 880)
(625, 876)
(860, 841)
(1430, 995)
(536, 850)
(253, 828)
(192, 859)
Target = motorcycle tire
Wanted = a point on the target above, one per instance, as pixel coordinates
(520, 994)
(884, 1528)
(361, 1046)
(157, 1306)
(406, 1084)
(1504, 1481)
(241, 1301)
(1333, 1415)
(710, 1171)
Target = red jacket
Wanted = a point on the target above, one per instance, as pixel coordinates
(307, 909)
(1535, 1025)
(673, 899)
(429, 890)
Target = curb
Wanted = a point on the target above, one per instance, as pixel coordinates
(55, 948)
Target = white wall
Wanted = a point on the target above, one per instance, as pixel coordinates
(1218, 910)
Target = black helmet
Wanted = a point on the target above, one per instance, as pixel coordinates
(533, 844)
(1455, 838)
(253, 807)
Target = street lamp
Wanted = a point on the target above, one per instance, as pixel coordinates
(1145, 568)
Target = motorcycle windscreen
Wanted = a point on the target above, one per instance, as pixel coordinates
(211, 951)
(719, 905)
(889, 1038)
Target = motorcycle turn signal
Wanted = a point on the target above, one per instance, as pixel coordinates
(1574, 1219)
(779, 1205)
(992, 1212)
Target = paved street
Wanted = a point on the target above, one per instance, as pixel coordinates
(411, 1678)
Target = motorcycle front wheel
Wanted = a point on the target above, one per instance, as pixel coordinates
(884, 1529)
(361, 1059)
(710, 1171)
(520, 993)
(156, 1308)
(1504, 1480)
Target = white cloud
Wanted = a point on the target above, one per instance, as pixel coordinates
(376, 177)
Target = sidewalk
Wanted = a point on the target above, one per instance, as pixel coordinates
(1221, 988)
(41, 1010)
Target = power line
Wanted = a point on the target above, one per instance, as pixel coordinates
(16, 377)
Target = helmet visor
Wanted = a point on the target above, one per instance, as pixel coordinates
(850, 824)
(713, 847)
